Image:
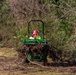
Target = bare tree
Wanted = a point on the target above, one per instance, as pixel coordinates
(29, 9)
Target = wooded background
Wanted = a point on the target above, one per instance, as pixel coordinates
(59, 17)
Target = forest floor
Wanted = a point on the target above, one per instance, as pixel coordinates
(9, 65)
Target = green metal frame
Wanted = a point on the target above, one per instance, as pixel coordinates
(36, 21)
(35, 41)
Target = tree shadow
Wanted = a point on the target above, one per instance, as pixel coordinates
(63, 64)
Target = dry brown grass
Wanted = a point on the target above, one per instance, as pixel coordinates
(9, 65)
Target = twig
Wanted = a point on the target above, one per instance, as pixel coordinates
(36, 63)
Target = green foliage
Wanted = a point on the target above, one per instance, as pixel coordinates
(59, 18)
(21, 33)
(74, 56)
(7, 27)
(67, 29)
